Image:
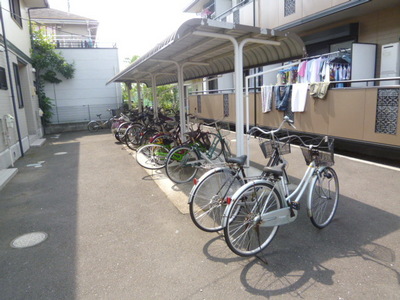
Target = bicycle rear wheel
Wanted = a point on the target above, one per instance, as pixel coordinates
(93, 126)
(147, 135)
(120, 132)
(152, 156)
(208, 198)
(181, 165)
(323, 197)
(245, 234)
(133, 135)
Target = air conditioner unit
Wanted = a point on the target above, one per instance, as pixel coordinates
(390, 63)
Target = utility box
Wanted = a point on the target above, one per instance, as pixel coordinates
(390, 63)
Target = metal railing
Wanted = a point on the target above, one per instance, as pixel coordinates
(82, 113)
(79, 41)
(222, 17)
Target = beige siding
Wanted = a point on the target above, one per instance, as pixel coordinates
(345, 113)
(314, 6)
(269, 17)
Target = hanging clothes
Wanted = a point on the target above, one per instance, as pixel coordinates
(266, 98)
(282, 96)
(299, 97)
(319, 89)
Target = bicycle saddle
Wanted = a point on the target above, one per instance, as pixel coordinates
(240, 160)
(275, 170)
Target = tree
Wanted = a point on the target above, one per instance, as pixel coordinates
(167, 95)
(49, 65)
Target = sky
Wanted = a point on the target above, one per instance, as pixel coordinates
(136, 26)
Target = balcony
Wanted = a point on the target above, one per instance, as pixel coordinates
(74, 41)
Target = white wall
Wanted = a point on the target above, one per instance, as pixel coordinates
(29, 123)
(93, 68)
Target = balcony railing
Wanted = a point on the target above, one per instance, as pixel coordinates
(78, 41)
(233, 10)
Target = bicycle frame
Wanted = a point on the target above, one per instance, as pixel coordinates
(287, 214)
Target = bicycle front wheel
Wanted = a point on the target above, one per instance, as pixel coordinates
(209, 197)
(182, 164)
(93, 126)
(323, 197)
(245, 234)
(152, 156)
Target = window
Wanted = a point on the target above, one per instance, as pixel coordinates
(3, 79)
(15, 10)
(18, 86)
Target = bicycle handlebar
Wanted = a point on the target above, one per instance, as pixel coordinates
(286, 119)
(324, 139)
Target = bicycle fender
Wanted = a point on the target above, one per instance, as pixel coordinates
(237, 194)
(201, 179)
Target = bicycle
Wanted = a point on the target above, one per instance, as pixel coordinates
(259, 207)
(138, 134)
(209, 195)
(153, 156)
(183, 162)
(95, 125)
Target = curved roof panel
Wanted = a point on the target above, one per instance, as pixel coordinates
(206, 56)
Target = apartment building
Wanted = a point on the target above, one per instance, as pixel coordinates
(359, 36)
(20, 123)
(81, 98)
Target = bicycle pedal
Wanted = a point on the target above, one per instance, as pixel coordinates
(294, 205)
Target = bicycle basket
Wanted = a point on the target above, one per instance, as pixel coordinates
(268, 147)
(323, 155)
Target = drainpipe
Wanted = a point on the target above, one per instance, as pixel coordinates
(10, 80)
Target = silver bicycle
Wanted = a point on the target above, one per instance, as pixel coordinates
(259, 207)
(212, 192)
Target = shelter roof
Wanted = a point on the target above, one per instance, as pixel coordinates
(207, 56)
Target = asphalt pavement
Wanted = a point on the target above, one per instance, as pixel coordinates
(112, 230)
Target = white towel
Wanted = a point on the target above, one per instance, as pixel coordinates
(299, 96)
(266, 98)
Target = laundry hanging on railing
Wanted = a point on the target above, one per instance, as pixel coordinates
(266, 98)
(319, 89)
(282, 96)
(333, 66)
(287, 76)
(299, 97)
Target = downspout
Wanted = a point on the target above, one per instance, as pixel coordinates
(10, 80)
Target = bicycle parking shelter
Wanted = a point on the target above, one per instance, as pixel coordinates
(205, 47)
